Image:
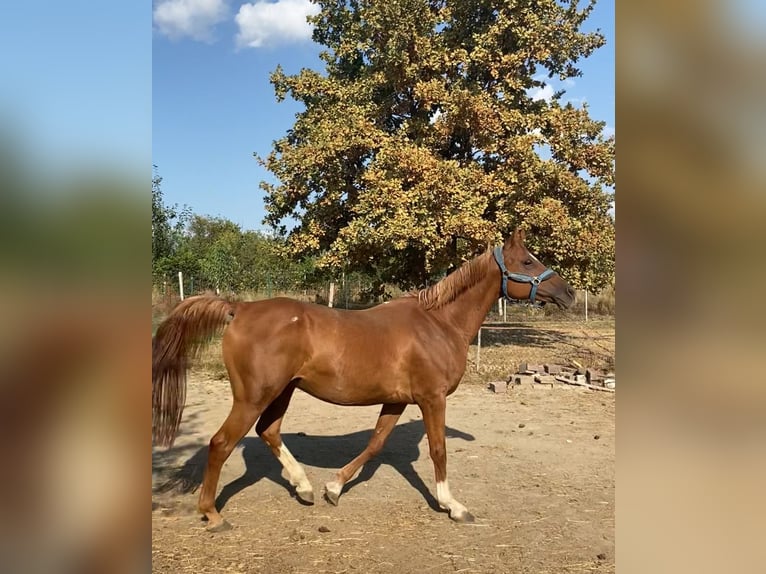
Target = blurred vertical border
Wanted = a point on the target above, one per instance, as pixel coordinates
(75, 169)
(691, 420)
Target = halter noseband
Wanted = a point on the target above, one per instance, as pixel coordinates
(519, 277)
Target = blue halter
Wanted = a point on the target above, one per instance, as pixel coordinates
(519, 277)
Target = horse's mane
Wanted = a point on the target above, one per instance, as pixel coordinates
(449, 288)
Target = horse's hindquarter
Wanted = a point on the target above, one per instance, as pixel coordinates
(371, 356)
(264, 344)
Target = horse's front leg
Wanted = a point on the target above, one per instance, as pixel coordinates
(389, 415)
(433, 409)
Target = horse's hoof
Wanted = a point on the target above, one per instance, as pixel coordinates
(463, 517)
(332, 492)
(222, 526)
(305, 496)
(332, 497)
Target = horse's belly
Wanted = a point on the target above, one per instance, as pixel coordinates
(343, 392)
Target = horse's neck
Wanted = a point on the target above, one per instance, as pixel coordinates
(468, 311)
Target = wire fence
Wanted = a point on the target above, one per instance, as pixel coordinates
(355, 292)
(345, 293)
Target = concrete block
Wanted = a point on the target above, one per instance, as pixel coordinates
(519, 379)
(593, 375)
(543, 380)
(498, 386)
(530, 368)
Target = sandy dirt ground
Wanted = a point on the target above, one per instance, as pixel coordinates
(534, 465)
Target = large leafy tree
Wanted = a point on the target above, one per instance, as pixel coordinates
(422, 141)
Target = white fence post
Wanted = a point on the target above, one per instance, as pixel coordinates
(478, 351)
(181, 284)
(332, 294)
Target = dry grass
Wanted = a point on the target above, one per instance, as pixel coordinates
(210, 361)
(591, 344)
(602, 303)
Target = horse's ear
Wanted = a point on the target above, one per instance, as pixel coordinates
(516, 238)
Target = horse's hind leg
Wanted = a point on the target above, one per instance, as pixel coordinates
(268, 429)
(241, 418)
(389, 415)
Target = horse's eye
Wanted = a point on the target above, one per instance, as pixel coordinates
(528, 262)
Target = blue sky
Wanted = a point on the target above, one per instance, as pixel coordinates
(213, 105)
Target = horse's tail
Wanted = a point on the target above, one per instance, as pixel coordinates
(180, 337)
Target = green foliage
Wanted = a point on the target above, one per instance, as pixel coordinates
(421, 141)
(215, 253)
(161, 216)
(168, 224)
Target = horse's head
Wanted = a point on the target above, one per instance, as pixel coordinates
(525, 278)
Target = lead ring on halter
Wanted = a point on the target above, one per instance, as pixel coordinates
(519, 278)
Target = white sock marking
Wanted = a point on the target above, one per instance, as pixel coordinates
(444, 497)
(295, 472)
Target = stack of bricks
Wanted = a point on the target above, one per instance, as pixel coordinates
(549, 373)
(535, 373)
(600, 378)
(590, 378)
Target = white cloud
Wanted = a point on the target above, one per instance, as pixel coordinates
(542, 93)
(270, 23)
(193, 18)
(577, 102)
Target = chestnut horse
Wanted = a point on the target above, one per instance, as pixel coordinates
(410, 350)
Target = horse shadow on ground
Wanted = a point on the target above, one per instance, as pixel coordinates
(522, 335)
(331, 452)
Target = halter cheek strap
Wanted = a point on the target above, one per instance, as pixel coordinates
(519, 277)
